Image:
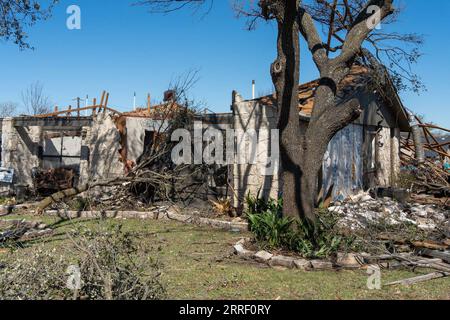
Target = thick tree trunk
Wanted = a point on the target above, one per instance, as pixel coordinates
(286, 73)
(302, 153)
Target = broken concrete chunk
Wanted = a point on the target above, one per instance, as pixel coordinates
(241, 251)
(348, 260)
(282, 261)
(303, 264)
(263, 256)
(321, 265)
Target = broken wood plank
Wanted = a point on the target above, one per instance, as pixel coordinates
(35, 234)
(433, 245)
(444, 255)
(427, 277)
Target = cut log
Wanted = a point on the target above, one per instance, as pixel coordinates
(58, 197)
(433, 245)
(444, 255)
(427, 277)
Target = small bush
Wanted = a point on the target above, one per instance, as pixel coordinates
(111, 268)
(257, 205)
(273, 231)
(80, 204)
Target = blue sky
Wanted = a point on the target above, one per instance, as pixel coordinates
(123, 49)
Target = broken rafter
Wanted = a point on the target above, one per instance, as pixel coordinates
(68, 112)
(94, 107)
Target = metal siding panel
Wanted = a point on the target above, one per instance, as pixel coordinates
(343, 164)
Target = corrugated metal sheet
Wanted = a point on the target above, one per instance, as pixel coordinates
(343, 164)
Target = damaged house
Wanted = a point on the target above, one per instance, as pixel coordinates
(77, 149)
(363, 155)
(65, 149)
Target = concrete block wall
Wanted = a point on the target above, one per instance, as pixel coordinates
(103, 140)
(253, 178)
(20, 151)
(388, 156)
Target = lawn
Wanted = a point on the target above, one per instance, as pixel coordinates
(198, 264)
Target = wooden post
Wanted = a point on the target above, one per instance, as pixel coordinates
(69, 112)
(78, 107)
(102, 101)
(149, 104)
(106, 103)
(94, 110)
(56, 110)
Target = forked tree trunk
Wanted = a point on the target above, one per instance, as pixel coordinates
(302, 156)
(286, 75)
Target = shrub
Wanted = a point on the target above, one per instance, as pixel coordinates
(273, 231)
(270, 229)
(112, 270)
(257, 205)
(79, 204)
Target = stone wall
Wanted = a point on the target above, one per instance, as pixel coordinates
(388, 156)
(103, 140)
(136, 128)
(256, 177)
(20, 151)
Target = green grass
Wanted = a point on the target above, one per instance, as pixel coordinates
(196, 267)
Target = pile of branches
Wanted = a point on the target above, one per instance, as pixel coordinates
(17, 231)
(427, 158)
(105, 263)
(49, 181)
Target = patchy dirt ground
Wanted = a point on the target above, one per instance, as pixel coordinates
(198, 265)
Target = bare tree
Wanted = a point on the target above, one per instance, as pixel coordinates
(35, 100)
(302, 153)
(398, 52)
(8, 109)
(16, 15)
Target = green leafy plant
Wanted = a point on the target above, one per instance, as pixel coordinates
(257, 205)
(80, 204)
(274, 231)
(271, 229)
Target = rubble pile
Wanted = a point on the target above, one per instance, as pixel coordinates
(362, 210)
(22, 230)
(47, 182)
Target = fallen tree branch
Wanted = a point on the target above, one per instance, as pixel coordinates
(427, 277)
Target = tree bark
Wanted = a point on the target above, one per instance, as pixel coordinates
(285, 73)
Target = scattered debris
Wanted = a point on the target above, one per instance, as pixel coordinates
(22, 230)
(47, 182)
(428, 160)
(362, 210)
(427, 277)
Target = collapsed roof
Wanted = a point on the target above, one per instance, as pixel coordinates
(358, 76)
